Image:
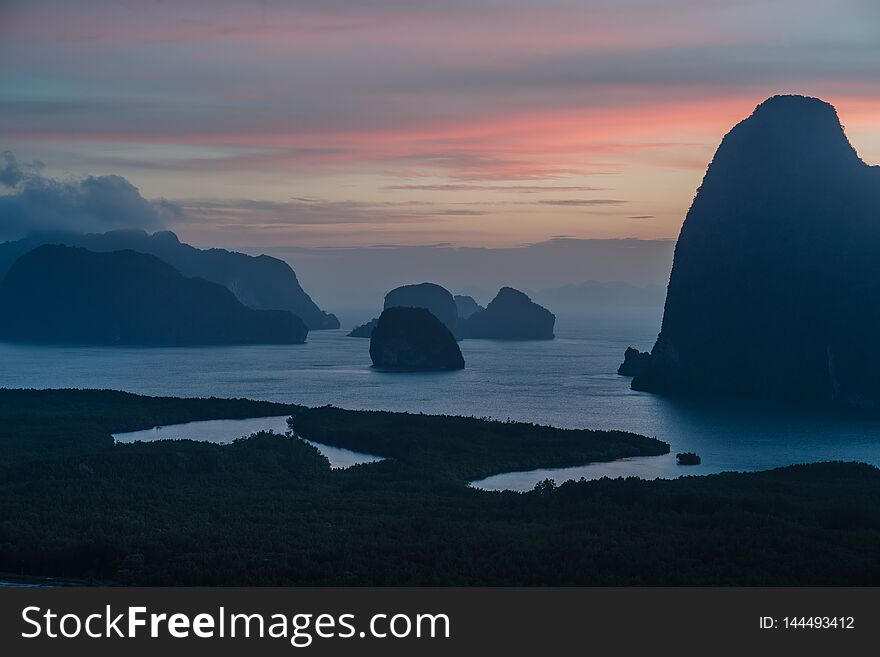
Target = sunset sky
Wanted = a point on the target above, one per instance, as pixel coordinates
(322, 123)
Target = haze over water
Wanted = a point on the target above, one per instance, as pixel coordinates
(567, 382)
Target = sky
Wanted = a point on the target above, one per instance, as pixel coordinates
(333, 124)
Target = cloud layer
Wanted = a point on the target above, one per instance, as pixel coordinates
(36, 203)
(373, 101)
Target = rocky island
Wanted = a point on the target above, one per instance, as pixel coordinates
(634, 362)
(775, 287)
(511, 315)
(363, 330)
(435, 298)
(688, 458)
(413, 339)
(61, 294)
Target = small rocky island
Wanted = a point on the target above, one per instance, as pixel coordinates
(511, 315)
(364, 330)
(413, 340)
(688, 458)
(634, 362)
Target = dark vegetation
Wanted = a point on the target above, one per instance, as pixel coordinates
(268, 510)
(465, 448)
(61, 294)
(52, 424)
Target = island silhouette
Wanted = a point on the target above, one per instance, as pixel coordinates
(62, 294)
(259, 282)
(775, 288)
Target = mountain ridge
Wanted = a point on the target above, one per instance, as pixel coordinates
(69, 295)
(260, 282)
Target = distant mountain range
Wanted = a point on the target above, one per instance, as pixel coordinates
(61, 294)
(775, 287)
(595, 296)
(353, 277)
(261, 282)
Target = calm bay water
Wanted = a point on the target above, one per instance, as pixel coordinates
(567, 382)
(225, 431)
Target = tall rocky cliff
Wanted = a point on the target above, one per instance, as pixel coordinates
(775, 288)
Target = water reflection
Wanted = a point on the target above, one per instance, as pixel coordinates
(739, 437)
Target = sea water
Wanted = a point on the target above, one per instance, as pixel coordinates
(567, 382)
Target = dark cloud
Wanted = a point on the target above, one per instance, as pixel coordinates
(13, 172)
(38, 203)
(581, 202)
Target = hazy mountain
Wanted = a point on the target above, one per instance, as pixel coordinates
(63, 294)
(435, 298)
(466, 306)
(775, 287)
(511, 315)
(260, 282)
(356, 278)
